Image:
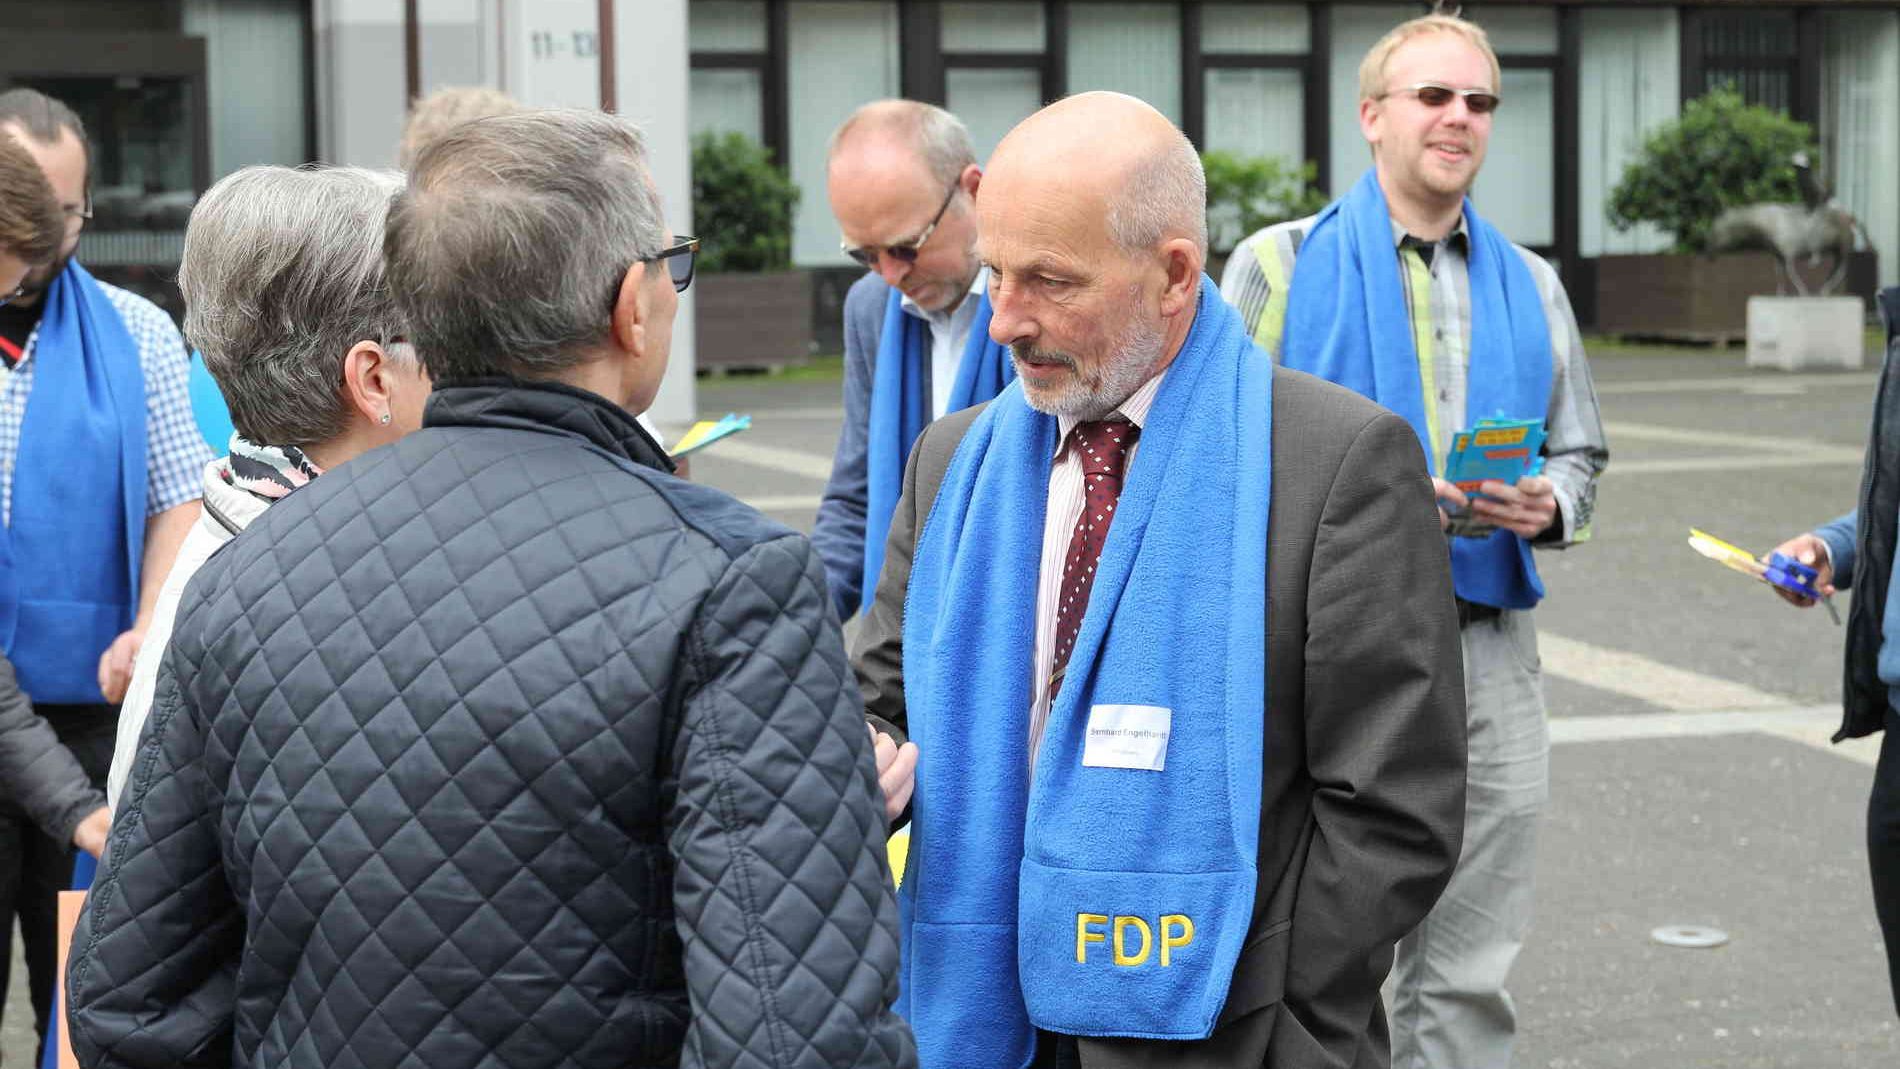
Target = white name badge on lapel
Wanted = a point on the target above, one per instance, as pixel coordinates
(1128, 736)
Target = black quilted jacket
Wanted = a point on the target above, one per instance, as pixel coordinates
(498, 747)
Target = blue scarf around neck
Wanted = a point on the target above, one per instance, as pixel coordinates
(1147, 876)
(69, 572)
(1347, 322)
(901, 409)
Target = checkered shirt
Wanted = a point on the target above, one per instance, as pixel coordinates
(176, 453)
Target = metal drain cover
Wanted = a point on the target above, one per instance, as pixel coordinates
(1690, 936)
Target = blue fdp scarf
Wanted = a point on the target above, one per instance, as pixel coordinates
(69, 573)
(1347, 322)
(1090, 900)
(900, 410)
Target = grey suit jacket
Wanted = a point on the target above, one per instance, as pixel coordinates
(1364, 778)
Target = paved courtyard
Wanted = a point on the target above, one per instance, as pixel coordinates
(1692, 778)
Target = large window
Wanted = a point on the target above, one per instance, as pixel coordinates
(843, 53)
(1628, 70)
(1756, 52)
(1517, 189)
(1130, 48)
(1254, 62)
(1860, 124)
(996, 66)
(728, 39)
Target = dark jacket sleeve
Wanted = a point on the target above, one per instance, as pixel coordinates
(839, 530)
(152, 978)
(878, 653)
(40, 774)
(1385, 736)
(782, 888)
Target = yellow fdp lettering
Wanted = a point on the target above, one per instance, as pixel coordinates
(1083, 937)
(1122, 957)
(1169, 940)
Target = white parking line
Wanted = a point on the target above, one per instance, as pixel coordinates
(1740, 383)
(1696, 705)
(785, 502)
(775, 458)
(1635, 676)
(1809, 725)
(1753, 451)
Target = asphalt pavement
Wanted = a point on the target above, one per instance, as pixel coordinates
(1692, 780)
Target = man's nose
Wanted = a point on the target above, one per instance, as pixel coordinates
(1010, 321)
(891, 269)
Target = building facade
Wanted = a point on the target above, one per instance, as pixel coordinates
(178, 93)
(1582, 84)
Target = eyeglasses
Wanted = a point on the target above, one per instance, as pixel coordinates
(904, 252)
(680, 258)
(1435, 95)
(18, 292)
(76, 217)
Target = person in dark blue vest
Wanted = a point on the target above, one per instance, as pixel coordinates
(902, 180)
(99, 484)
(1855, 552)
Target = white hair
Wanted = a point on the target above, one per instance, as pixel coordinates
(282, 273)
(1165, 197)
(939, 138)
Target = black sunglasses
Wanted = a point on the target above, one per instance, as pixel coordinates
(904, 252)
(680, 258)
(1435, 95)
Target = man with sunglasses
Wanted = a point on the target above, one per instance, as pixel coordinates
(100, 477)
(541, 756)
(902, 179)
(1404, 293)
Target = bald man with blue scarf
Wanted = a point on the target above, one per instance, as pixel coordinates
(902, 179)
(1172, 630)
(1403, 292)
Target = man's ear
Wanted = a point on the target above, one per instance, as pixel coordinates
(971, 177)
(1369, 112)
(1182, 259)
(630, 311)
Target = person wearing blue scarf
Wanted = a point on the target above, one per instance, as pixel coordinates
(902, 179)
(1172, 631)
(1403, 292)
(99, 464)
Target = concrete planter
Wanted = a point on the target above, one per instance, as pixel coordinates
(753, 320)
(1799, 333)
(1697, 298)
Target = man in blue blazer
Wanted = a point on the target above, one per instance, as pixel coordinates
(902, 179)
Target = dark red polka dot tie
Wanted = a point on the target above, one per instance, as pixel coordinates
(1103, 446)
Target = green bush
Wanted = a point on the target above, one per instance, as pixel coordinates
(1720, 153)
(742, 205)
(1245, 193)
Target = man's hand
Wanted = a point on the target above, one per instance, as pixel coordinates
(1447, 494)
(90, 836)
(1526, 510)
(896, 772)
(1810, 550)
(115, 664)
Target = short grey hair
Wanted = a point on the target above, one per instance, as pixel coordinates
(939, 138)
(1165, 196)
(282, 274)
(441, 111)
(507, 249)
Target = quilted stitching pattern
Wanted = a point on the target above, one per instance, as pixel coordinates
(444, 741)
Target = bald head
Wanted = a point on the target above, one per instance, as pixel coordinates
(1119, 153)
(1093, 224)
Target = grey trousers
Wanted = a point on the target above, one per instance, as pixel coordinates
(1449, 1006)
